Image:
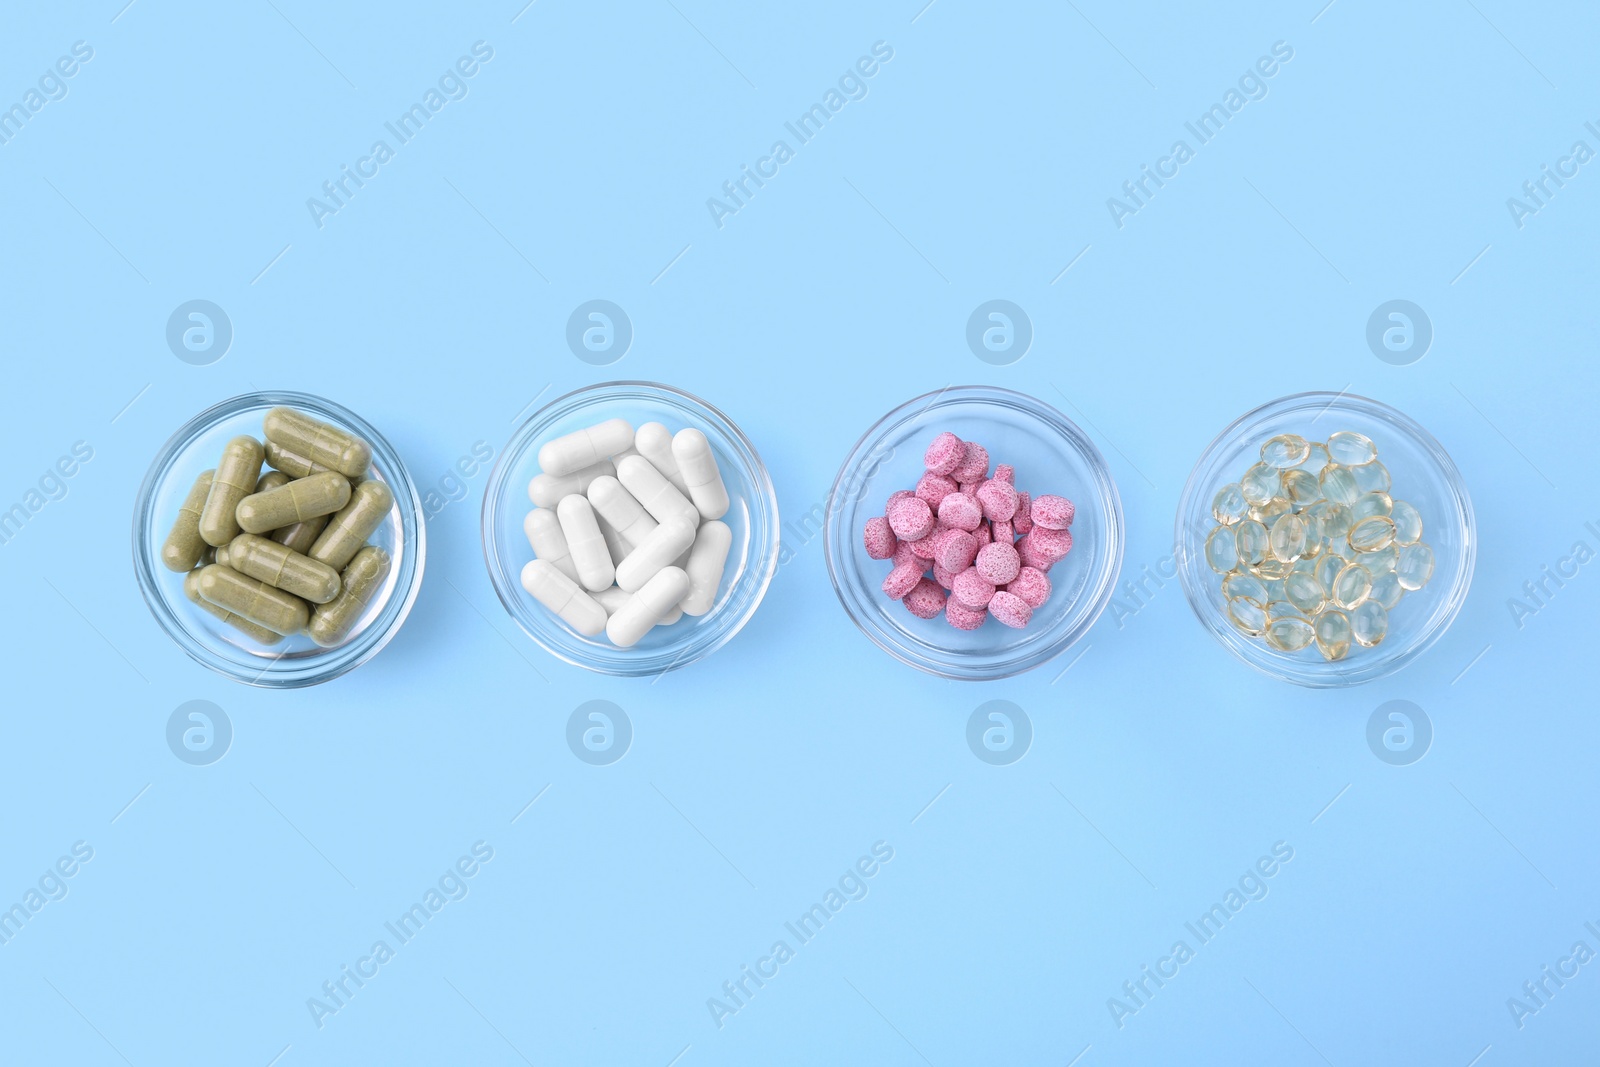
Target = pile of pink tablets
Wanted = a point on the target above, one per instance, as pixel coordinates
(987, 545)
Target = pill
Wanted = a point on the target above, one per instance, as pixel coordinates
(1380, 561)
(259, 634)
(1238, 584)
(611, 599)
(974, 466)
(698, 464)
(546, 490)
(998, 500)
(369, 504)
(1332, 630)
(318, 441)
(954, 550)
(707, 560)
(963, 618)
(1053, 512)
(656, 599)
(548, 542)
(998, 563)
(1339, 485)
(271, 480)
(585, 447)
(1268, 513)
(590, 556)
(302, 535)
(902, 580)
(656, 553)
(280, 612)
(296, 501)
(926, 599)
(1285, 450)
(1289, 634)
(923, 547)
(653, 441)
(911, 518)
(1316, 459)
(235, 479)
(361, 578)
(1407, 523)
(1415, 566)
(1032, 585)
(618, 507)
(184, 546)
(1010, 610)
(945, 453)
(624, 454)
(984, 534)
(972, 590)
(1252, 540)
(282, 568)
(1372, 477)
(1351, 449)
(1259, 484)
(1387, 590)
(958, 510)
(879, 538)
(220, 555)
(1369, 504)
(1305, 592)
(1229, 505)
(933, 488)
(1372, 534)
(1002, 531)
(563, 597)
(1351, 587)
(1022, 521)
(1301, 487)
(654, 493)
(1369, 623)
(945, 577)
(1287, 537)
(294, 464)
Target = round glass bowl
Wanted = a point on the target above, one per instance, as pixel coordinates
(752, 516)
(1421, 473)
(296, 661)
(1051, 455)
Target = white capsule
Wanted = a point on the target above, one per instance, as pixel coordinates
(549, 543)
(655, 553)
(586, 543)
(615, 545)
(706, 562)
(654, 443)
(546, 490)
(624, 454)
(699, 466)
(585, 447)
(612, 599)
(562, 596)
(655, 601)
(657, 495)
(621, 511)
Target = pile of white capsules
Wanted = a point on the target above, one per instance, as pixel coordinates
(626, 528)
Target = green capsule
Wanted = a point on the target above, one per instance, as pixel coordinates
(271, 480)
(1332, 630)
(1259, 484)
(1328, 568)
(302, 535)
(1229, 505)
(1222, 552)
(1369, 504)
(299, 500)
(293, 463)
(1247, 616)
(1251, 538)
(1379, 562)
(259, 634)
(219, 555)
(1285, 450)
(1301, 487)
(1407, 523)
(1351, 449)
(1372, 535)
(1415, 566)
(1372, 477)
(234, 480)
(1339, 485)
(1248, 586)
(1289, 634)
(1316, 459)
(349, 529)
(1369, 622)
(283, 569)
(1351, 587)
(1288, 537)
(318, 442)
(362, 577)
(1305, 592)
(1387, 590)
(280, 612)
(184, 545)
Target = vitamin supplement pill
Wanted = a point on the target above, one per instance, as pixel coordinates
(1372, 477)
(352, 524)
(259, 634)
(1022, 521)
(1305, 592)
(998, 563)
(362, 577)
(611, 599)
(546, 490)
(282, 569)
(960, 511)
(293, 464)
(1271, 569)
(1332, 629)
(998, 500)
(945, 453)
(707, 560)
(1266, 514)
(297, 501)
(1369, 504)
(1010, 610)
(657, 495)
(1247, 616)
(1287, 537)
(302, 535)
(974, 465)
(984, 535)
(1369, 622)
(1387, 590)
(1373, 534)
(220, 555)
(933, 488)
(657, 598)
(1415, 566)
(911, 519)
(1407, 523)
(1339, 485)
(562, 596)
(1351, 587)
(1246, 586)
(657, 552)
(879, 538)
(585, 447)
(618, 507)
(1289, 634)
(1222, 550)
(1052, 545)
(584, 540)
(972, 590)
(271, 480)
(1285, 450)
(1033, 586)
(963, 618)
(954, 550)
(902, 580)
(235, 479)
(1053, 512)
(548, 542)
(280, 612)
(1327, 570)
(653, 441)
(698, 464)
(1300, 487)
(1253, 541)
(1315, 460)
(926, 600)
(945, 578)
(184, 545)
(922, 548)
(1229, 505)
(318, 442)
(670, 617)
(1259, 484)
(1351, 449)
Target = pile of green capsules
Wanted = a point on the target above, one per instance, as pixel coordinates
(1313, 548)
(284, 552)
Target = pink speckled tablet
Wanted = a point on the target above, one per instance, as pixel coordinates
(1053, 512)
(998, 563)
(1004, 532)
(898, 494)
(1050, 544)
(926, 600)
(970, 488)
(943, 577)
(933, 488)
(910, 518)
(958, 510)
(1010, 610)
(1031, 585)
(903, 555)
(1005, 472)
(1031, 557)
(970, 590)
(945, 454)
(963, 618)
(998, 500)
(1022, 521)
(954, 550)
(983, 534)
(922, 548)
(879, 538)
(901, 581)
(974, 466)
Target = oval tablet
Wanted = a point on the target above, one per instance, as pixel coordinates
(563, 598)
(585, 447)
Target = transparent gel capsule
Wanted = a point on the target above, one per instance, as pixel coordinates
(1370, 504)
(1305, 592)
(1246, 586)
(1372, 535)
(1333, 634)
(1288, 537)
(1247, 616)
(1415, 566)
(1251, 540)
(1221, 552)
(1351, 587)
(1351, 449)
(1259, 484)
(1380, 562)
(1289, 634)
(1369, 622)
(1268, 513)
(1314, 541)
(1328, 568)
(1372, 477)
(1387, 590)
(1301, 487)
(1339, 484)
(1271, 569)
(1285, 450)
(1229, 505)
(1334, 520)
(1407, 523)
(1316, 459)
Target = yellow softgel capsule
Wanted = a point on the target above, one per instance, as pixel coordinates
(1271, 569)
(1248, 616)
(1339, 485)
(1351, 449)
(1372, 477)
(1285, 450)
(1407, 523)
(1415, 566)
(1369, 623)
(1268, 513)
(1351, 587)
(1259, 484)
(1387, 590)
(1316, 459)
(1288, 537)
(1372, 535)
(1333, 634)
(1305, 592)
(1222, 553)
(1246, 586)
(1328, 567)
(1379, 562)
(1289, 634)
(1252, 541)
(1229, 505)
(1333, 519)
(1301, 487)
(1370, 504)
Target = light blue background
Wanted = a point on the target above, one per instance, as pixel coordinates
(978, 167)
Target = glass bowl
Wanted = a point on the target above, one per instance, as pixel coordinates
(752, 516)
(1051, 455)
(297, 661)
(1422, 473)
